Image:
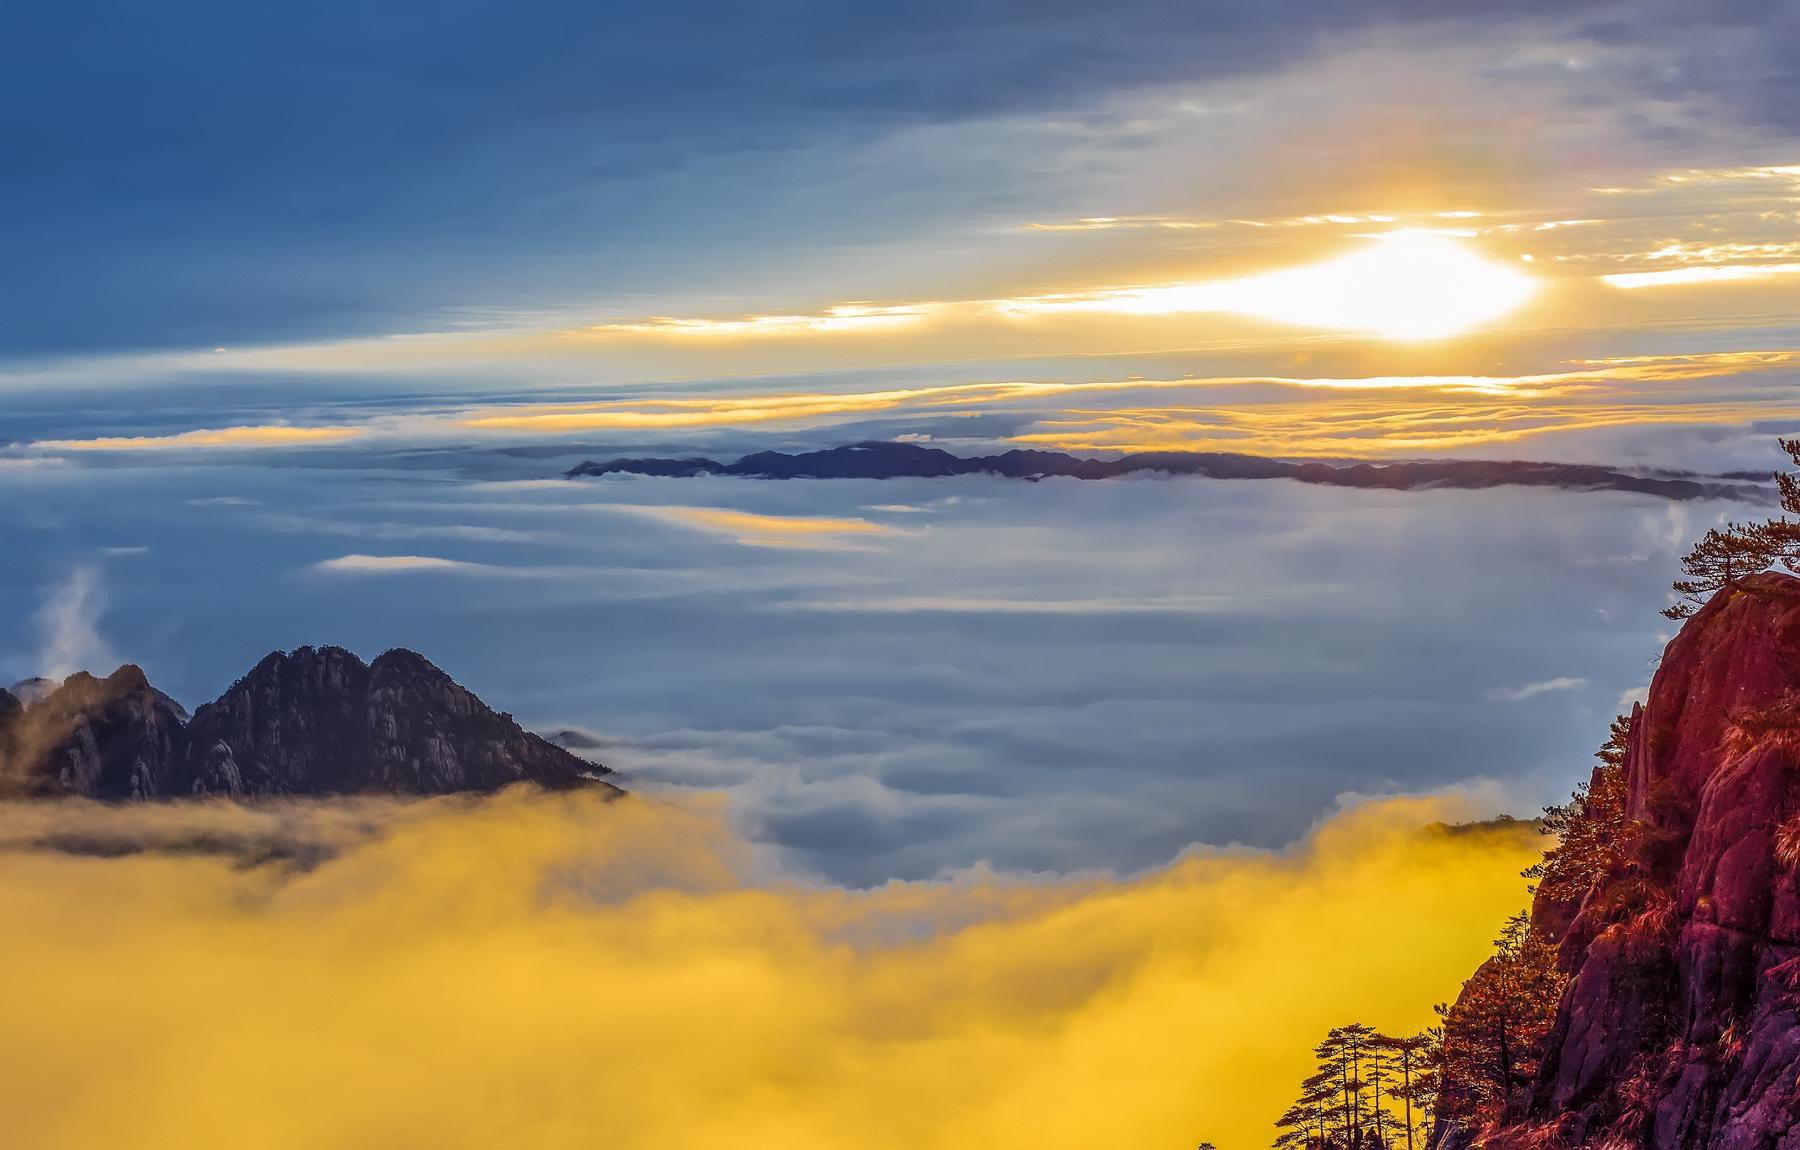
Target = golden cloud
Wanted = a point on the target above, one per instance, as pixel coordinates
(1701, 274)
(753, 528)
(846, 317)
(1270, 413)
(538, 970)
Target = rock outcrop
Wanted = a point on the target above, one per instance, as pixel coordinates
(309, 721)
(1680, 1025)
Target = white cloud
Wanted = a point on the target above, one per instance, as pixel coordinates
(392, 564)
(69, 640)
(1530, 690)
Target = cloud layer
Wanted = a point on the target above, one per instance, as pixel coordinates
(1043, 676)
(540, 971)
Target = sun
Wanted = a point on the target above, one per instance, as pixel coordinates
(1402, 285)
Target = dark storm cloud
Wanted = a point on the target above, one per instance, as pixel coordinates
(210, 172)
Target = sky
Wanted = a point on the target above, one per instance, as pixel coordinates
(306, 311)
(301, 215)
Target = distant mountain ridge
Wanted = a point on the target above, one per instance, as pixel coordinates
(884, 460)
(315, 720)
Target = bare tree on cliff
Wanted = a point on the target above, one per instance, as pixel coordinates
(1725, 556)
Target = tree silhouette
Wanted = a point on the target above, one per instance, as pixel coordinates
(1367, 1087)
(1343, 1054)
(1309, 1122)
(1407, 1063)
(1377, 1074)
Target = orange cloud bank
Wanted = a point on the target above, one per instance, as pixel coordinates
(547, 971)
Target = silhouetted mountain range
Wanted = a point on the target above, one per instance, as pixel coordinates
(877, 460)
(309, 721)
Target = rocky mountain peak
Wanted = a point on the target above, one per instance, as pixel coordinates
(314, 720)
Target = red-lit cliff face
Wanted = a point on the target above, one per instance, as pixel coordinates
(1679, 1028)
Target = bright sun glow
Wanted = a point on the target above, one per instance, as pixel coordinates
(1402, 285)
(1408, 285)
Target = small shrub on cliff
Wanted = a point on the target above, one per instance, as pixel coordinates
(1787, 843)
(1775, 725)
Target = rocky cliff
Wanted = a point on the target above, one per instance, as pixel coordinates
(309, 721)
(1679, 1024)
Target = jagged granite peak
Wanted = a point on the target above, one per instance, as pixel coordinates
(315, 720)
(111, 738)
(1680, 1026)
(292, 725)
(877, 459)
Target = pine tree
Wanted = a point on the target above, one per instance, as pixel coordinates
(1427, 1081)
(1725, 556)
(1309, 1122)
(1406, 1061)
(1493, 1035)
(1378, 1075)
(1344, 1053)
(1367, 1091)
(1590, 828)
